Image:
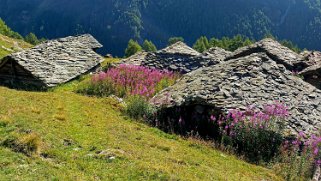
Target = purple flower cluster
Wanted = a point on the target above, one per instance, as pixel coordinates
(311, 144)
(251, 118)
(135, 80)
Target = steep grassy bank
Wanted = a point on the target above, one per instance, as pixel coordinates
(10, 45)
(83, 138)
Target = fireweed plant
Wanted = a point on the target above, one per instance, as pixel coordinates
(299, 157)
(260, 136)
(129, 80)
(254, 134)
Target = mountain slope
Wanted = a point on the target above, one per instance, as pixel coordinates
(10, 45)
(85, 138)
(114, 22)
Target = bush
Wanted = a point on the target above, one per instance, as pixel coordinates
(32, 39)
(128, 80)
(138, 108)
(174, 40)
(132, 48)
(149, 46)
(299, 157)
(28, 144)
(258, 135)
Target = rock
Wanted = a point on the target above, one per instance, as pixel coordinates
(110, 154)
(108, 56)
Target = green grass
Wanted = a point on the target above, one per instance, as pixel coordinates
(10, 45)
(73, 85)
(132, 150)
(96, 124)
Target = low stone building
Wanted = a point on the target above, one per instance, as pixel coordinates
(255, 79)
(178, 57)
(51, 63)
(274, 50)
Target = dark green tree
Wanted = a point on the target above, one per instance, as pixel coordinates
(173, 40)
(238, 41)
(286, 43)
(5, 30)
(149, 46)
(270, 35)
(132, 48)
(291, 45)
(201, 44)
(32, 39)
(231, 44)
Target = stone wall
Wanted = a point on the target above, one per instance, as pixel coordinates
(251, 80)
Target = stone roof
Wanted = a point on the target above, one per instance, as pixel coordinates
(275, 51)
(179, 48)
(251, 80)
(87, 40)
(134, 59)
(178, 57)
(182, 63)
(217, 53)
(313, 59)
(61, 60)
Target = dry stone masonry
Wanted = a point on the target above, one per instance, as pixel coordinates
(178, 57)
(136, 59)
(51, 63)
(217, 53)
(312, 74)
(275, 51)
(255, 79)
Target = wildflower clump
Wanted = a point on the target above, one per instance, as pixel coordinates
(255, 134)
(299, 157)
(129, 80)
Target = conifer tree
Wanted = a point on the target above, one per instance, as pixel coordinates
(32, 39)
(132, 48)
(173, 40)
(149, 46)
(201, 44)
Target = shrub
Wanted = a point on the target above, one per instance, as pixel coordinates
(28, 144)
(127, 80)
(138, 108)
(299, 157)
(132, 48)
(258, 135)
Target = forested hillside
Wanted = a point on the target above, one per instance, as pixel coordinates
(114, 22)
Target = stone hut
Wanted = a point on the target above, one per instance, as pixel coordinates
(178, 57)
(51, 63)
(254, 79)
(276, 51)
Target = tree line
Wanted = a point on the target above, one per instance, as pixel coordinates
(7, 31)
(202, 44)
